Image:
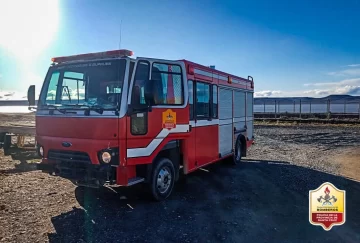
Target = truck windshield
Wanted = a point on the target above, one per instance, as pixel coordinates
(95, 83)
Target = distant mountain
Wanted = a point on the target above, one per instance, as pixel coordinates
(341, 99)
(333, 99)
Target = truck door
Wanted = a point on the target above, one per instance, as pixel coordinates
(149, 131)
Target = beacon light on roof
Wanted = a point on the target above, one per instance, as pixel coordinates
(252, 81)
(95, 55)
(191, 70)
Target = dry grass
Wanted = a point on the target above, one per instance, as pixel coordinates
(296, 123)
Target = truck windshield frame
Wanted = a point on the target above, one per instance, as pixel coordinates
(83, 85)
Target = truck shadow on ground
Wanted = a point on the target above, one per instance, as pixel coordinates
(256, 201)
(25, 156)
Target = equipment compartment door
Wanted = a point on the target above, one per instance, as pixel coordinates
(225, 121)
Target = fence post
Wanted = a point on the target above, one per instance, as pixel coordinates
(275, 108)
(264, 107)
(300, 108)
(328, 106)
(294, 106)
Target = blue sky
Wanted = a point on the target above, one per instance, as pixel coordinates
(304, 48)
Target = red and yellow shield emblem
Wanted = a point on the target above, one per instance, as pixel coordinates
(169, 119)
(327, 206)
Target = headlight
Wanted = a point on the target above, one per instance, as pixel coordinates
(106, 157)
(41, 151)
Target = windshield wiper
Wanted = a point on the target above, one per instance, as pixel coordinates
(63, 111)
(97, 108)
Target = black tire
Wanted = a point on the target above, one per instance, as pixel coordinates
(2, 139)
(7, 144)
(237, 153)
(162, 179)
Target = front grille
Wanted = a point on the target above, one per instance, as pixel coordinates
(69, 156)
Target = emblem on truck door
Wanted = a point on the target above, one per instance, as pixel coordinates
(169, 119)
(66, 144)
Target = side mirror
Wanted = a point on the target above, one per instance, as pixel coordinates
(31, 95)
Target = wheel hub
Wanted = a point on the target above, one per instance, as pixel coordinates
(163, 180)
(238, 156)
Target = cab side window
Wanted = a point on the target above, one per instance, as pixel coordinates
(168, 87)
(141, 76)
(139, 121)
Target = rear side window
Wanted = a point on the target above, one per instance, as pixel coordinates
(214, 101)
(168, 84)
(191, 98)
(202, 100)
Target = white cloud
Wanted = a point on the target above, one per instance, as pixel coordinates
(354, 65)
(15, 95)
(339, 90)
(351, 82)
(12, 95)
(343, 87)
(346, 72)
(267, 93)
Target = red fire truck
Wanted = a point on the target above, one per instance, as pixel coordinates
(108, 119)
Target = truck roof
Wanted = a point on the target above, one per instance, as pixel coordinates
(208, 69)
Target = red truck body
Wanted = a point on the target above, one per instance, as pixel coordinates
(153, 111)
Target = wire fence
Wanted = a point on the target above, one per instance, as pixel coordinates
(307, 108)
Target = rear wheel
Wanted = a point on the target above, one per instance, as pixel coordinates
(162, 179)
(237, 152)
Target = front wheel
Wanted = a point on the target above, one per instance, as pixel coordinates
(162, 179)
(237, 152)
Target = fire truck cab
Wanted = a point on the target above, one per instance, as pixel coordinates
(109, 119)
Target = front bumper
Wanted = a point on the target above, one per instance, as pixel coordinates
(82, 174)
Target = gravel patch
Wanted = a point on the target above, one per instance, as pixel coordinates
(310, 146)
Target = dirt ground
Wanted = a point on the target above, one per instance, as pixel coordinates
(265, 199)
(22, 123)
